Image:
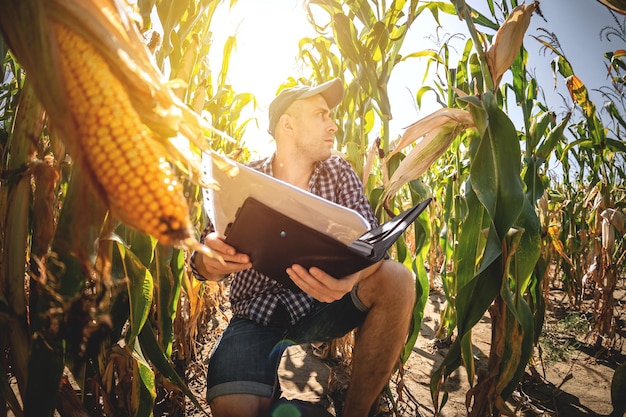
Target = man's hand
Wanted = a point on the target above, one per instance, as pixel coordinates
(212, 268)
(323, 287)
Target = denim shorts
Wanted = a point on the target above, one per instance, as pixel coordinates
(247, 356)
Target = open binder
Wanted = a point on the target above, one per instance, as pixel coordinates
(275, 241)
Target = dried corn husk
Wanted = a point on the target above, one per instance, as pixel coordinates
(433, 134)
(508, 40)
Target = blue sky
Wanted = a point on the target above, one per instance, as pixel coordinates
(268, 33)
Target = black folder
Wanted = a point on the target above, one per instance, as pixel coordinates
(275, 242)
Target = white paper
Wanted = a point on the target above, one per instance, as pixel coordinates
(341, 223)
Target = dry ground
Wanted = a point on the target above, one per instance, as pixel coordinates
(571, 378)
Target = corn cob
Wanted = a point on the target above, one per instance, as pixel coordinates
(127, 165)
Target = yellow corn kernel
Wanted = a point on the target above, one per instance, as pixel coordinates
(127, 166)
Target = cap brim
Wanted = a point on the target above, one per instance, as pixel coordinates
(332, 91)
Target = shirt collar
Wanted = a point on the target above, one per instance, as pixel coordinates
(266, 168)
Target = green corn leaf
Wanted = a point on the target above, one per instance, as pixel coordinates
(615, 113)
(529, 249)
(474, 298)
(553, 138)
(471, 241)
(229, 46)
(140, 289)
(377, 40)
(362, 11)
(450, 363)
(467, 355)
(495, 168)
(169, 277)
(472, 301)
(538, 127)
(144, 389)
(534, 184)
(615, 145)
(46, 363)
(437, 6)
(422, 287)
(150, 346)
(347, 38)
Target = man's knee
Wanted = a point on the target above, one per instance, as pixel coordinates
(391, 282)
(243, 405)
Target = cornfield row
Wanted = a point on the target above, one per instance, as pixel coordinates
(101, 189)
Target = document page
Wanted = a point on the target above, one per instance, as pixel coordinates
(235, 182)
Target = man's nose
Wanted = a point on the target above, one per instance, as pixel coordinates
(333, 126)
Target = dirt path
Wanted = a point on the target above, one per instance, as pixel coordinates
(575, 383)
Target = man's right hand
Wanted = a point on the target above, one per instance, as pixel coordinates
(214, 269)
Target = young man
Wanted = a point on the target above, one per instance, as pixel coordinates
(242, 373)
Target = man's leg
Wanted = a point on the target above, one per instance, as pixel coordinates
(241, 376)
(244, 405)
(390, 294)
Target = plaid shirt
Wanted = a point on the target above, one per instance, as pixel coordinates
(255, 296)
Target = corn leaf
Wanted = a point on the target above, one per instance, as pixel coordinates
(422, 287)
(169, 270)
(471, 239)
(144, 390)
(46, 363)
(150, 346)
(528, 250)
(496, 167)
(140, 288)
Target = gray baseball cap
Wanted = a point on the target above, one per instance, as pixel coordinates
(332, 91)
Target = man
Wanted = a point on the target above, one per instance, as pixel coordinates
(242, 373)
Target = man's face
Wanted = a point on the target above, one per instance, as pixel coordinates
(314, 129)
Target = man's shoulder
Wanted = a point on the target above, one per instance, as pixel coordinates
(337, 163)
(258, 164)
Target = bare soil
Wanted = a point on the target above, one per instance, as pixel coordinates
(570, 374)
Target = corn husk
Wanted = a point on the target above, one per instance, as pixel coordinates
(508, 40)
(432, 136)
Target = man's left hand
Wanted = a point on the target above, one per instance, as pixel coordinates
(323, 287)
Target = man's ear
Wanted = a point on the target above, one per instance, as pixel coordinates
(285, 122)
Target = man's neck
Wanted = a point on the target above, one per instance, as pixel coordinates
(292, 170)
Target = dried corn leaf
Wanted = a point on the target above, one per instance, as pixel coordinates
(579, 93)
(618, 6)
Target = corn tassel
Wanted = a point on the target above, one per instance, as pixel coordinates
(129, 168)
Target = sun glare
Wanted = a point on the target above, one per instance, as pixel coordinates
(267, 35)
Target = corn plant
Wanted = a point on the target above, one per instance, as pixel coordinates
(89, 283)
(591, 229)
(496, 244)
(497, 230)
